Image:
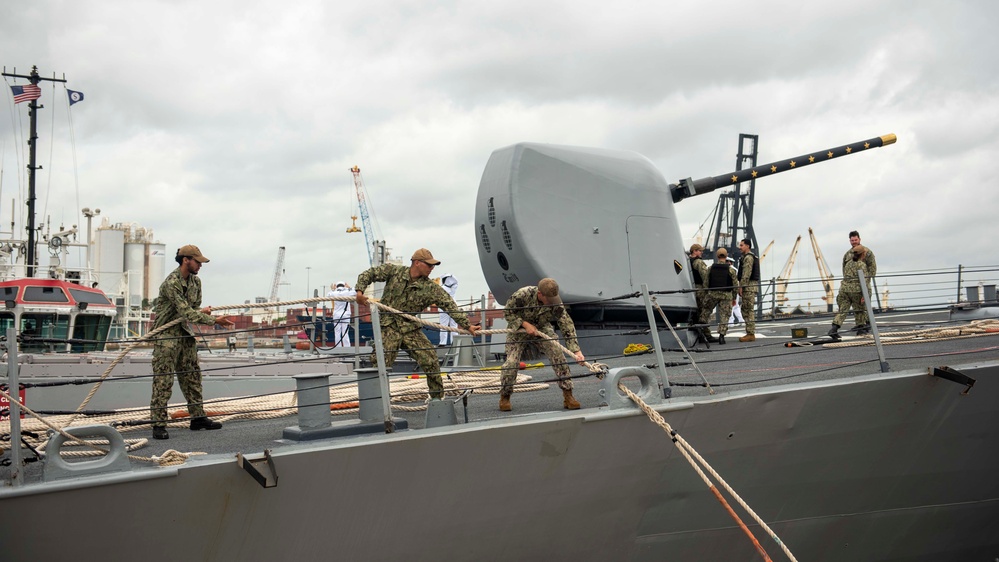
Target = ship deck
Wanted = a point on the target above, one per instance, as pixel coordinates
(846, 463)
(731, 368)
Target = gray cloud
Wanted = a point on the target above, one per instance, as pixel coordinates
(233, 124)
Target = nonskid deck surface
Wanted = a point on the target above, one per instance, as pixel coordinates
(732, 367)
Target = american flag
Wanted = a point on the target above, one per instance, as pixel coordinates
(27, 92)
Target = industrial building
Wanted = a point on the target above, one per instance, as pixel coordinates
(129, 265)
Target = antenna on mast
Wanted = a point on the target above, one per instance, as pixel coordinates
(33, 108)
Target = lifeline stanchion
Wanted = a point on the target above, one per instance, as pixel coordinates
(683, 347)
(664, 387)
(874, 325)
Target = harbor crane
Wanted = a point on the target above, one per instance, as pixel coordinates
(825, 274)
(767, 250)
(278, 270)
(376, 248)
(785, 274)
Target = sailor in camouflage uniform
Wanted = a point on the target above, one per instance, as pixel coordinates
(749, 279)
(870, 263)
(850, 295)
(535, 309)
(871, 269)
(175, 349)
(721, 293)
(410, 290)
(699, 273)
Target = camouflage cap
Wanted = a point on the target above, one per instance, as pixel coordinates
(549, 288)
(425, 256)
(696, 247)
(192, 252)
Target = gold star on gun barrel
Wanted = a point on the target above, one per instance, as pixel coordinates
(849, 150)
(829, 154)
(867, 145)
(811, 159)
(754, 172)
(773, 169)
(793, 163)
(735, 178)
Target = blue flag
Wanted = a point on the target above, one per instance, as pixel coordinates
(74, 96)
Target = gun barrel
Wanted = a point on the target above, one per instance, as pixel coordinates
(689, 188)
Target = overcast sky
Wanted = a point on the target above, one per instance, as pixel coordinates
(233, 124)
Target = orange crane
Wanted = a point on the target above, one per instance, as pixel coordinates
(825, 274)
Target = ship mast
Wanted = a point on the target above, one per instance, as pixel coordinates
(33, 107)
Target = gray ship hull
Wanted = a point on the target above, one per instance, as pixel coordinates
(899, 466)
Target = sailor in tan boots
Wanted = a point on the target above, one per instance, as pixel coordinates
(534, 309)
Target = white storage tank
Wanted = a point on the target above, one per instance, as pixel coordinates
(109, 261)
(135, 265)
(157, 270)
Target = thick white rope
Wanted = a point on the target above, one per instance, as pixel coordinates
(688, 451)
(284, 405)
(973, 329)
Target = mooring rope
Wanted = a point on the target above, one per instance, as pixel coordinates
(688, 452)
(117, 360)
(974, 329)
(285, 404)
(343, 398)
(15, 442)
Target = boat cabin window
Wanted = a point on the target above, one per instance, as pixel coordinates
(6, 322)
(9, 293)
(48, 326)
(44, 294)
(88, 297)
(93, 328)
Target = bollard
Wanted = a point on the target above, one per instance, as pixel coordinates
(990, 293)
(314, 417)
(313, 400)
(973, 295)
(313, 408)
(369, 395)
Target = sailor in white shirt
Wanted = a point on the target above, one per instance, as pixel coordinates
(341, 313)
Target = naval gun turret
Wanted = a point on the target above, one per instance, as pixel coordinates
(601, 222)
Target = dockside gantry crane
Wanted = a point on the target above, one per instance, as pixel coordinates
(825, 275)
(376, 248)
